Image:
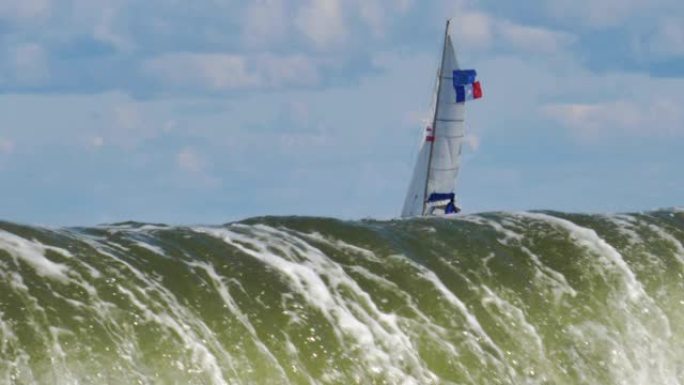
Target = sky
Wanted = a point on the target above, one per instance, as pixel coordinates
(215, 110)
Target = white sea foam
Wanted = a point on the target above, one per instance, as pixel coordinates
(612, 261)
(149, 247)
(419, 322)
(33, 253)
(389, 318)
(626, 225)
(14, 360)
(387, 348)
(517, 319)
(234, 309)
(671, 239)
(639, 359)
(132, 228)
(590, 240)
(545, 275)
(499, 228)
(157, 305)
(341, 245)
(7, 336)
(471, 320)
(201, 354)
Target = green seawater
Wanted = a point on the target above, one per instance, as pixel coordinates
(496, 298)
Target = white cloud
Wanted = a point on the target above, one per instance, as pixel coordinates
(265, 22)
(479, 30)
(221, 72)
(126, 124)
(127, 117)
(189, 161)
(322, 22)
(403, 5)
(88, 121)
(96, 142)
(6, 146)
(29, 64)
(531, 92)
(473, 141)
(534, 39)
(22, 10)
(662, 118)
(277, 71)
(212, 71)
(292, 142)
(668, 39)
(111, 22)
(474, 29)
(373, 13)
(377, 13)
(602, 13)
(104, 30)
(299, 113)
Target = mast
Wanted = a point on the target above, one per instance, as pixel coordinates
(434, 118)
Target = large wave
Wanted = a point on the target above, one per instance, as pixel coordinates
(500, 298)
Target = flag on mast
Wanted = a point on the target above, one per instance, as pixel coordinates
(466, 85)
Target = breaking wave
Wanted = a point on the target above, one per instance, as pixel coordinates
(499, 298)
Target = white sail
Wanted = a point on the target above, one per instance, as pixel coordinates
(439, 158)
(449, 130)
(415, 197)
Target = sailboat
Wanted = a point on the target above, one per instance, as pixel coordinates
(433, 185)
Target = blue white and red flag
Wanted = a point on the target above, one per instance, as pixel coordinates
(467, 88)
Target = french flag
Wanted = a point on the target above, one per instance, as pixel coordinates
(467, 88)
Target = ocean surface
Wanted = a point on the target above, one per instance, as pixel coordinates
(496, 298)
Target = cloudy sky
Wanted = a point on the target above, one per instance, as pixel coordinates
(214, 110)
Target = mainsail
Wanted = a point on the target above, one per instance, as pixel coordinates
(432, 188)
